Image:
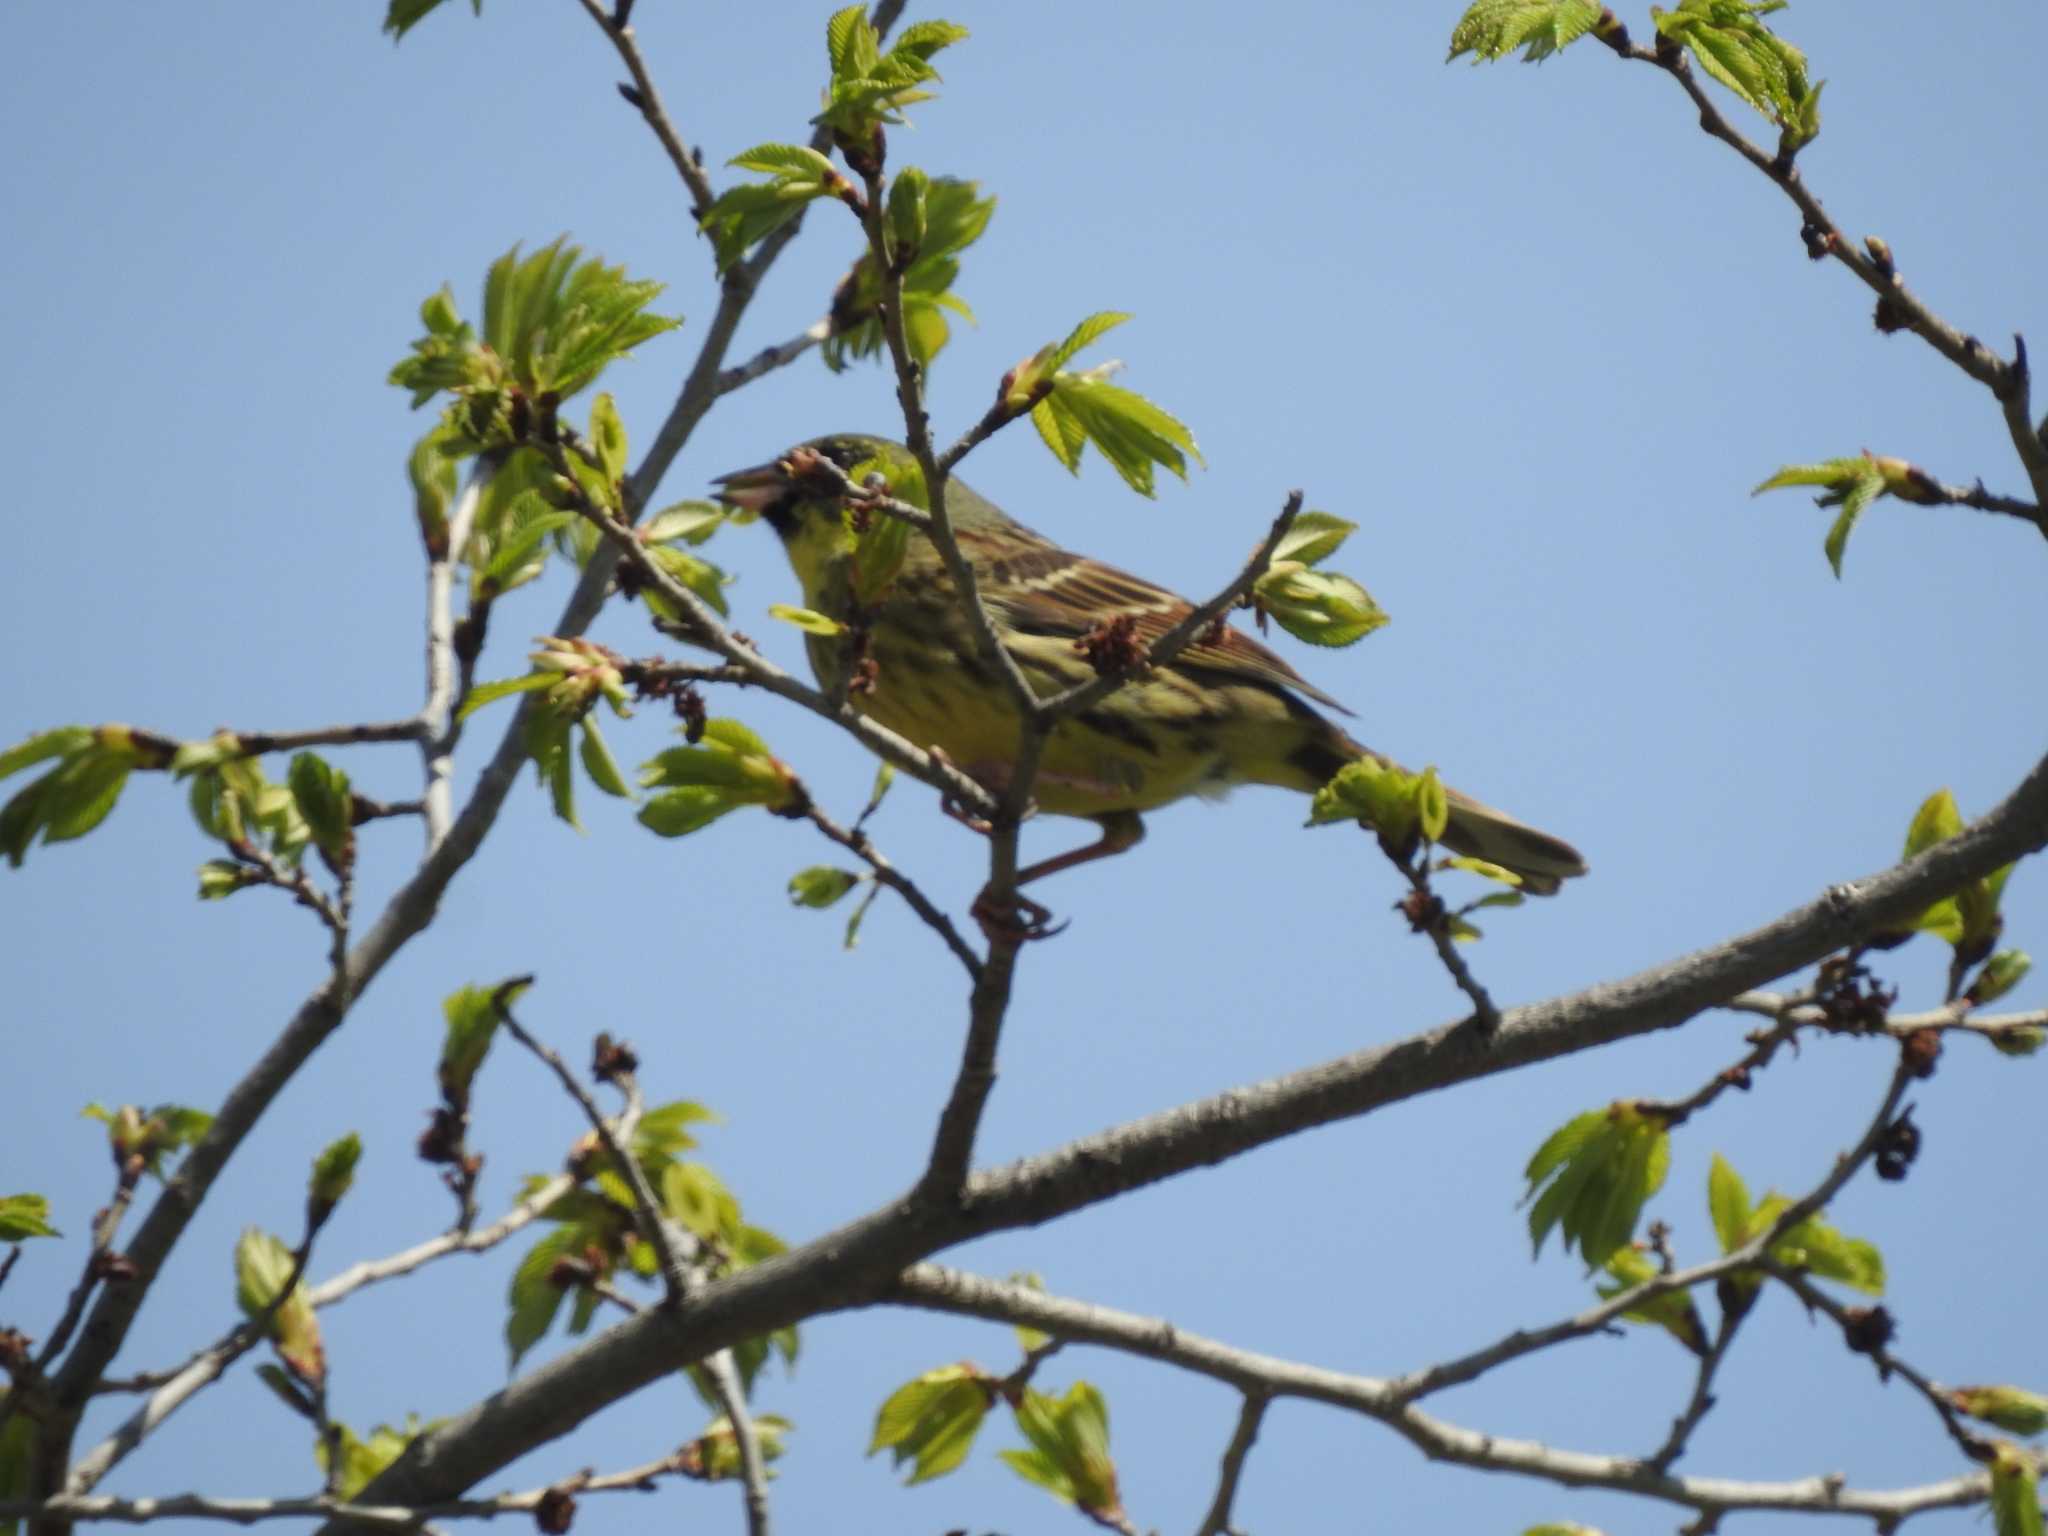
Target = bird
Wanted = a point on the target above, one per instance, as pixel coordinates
(1226, 711)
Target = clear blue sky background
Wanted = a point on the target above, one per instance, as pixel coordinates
(1529, 327)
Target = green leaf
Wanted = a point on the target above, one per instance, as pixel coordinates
(322, 793)
(608, 436)
(1592, 1176)
(534, 1296)
(2015, 1494)
(785, 159)
(472, 1019)
(1672, 1311)
(1852, 484)
(860, 912)
(809, 620)
(821, 885)
(691, 521)
(23, 1217)
(1129, 430)
(599, 763)
(490, 693)
(557, 320)
(699, 1200)
(2010, 1408)
(401, 16)
(679, 812)
(263, 1265)
(1083, 336)
(1069, 1453)
(906, 212)
(2002, 972)
(64, 741)
(932, 1420)
(1313, 538)
(1728, 1205)
(334, 1170)
(1493, 29)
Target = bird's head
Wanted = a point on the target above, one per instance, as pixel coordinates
(801, 488)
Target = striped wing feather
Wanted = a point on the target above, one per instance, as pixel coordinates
(1041, 589)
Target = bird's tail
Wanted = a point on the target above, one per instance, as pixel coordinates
(1476, 829)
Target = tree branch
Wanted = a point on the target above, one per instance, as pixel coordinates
(932, 1288)
(768, 359)
(1217, 1521)
(858, 1262)
(2007, 381)
(644, 98)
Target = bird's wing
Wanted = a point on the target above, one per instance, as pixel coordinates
(1039, 588)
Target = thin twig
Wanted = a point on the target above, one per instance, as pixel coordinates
(192, 1506)
(933, 1288)
(1950, 1017)
(1972, 1444)
(1217, 1521)
(647, 100)
(1702, 1399)
(256, 743)
(1426, 914)
(862, 847)
(669, 1243)
(1469, 1367)
(439, 728)
(768, 359)
(2007, 381)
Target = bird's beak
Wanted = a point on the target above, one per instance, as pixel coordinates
(753, 490)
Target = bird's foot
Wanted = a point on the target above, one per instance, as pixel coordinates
(1013, 920)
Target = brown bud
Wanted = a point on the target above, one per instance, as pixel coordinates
(1866, 1330)
(1920, 1050)
(555, 1512)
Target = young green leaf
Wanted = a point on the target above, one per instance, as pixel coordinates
(1591, 1178)
(334, 1170)
(322, 793)
(1069, 1455)
(23, 1217)
(1493, 29)
(263, 1266)
(2010, 1408)
(1672, 1311)
(2015, 1492)
(931, 1421)
(821, 885)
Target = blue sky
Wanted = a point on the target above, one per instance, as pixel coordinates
(1528, 327)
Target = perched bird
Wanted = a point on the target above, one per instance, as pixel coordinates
(1226, 711)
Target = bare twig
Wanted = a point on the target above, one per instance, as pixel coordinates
(192, 1506)
(2007, 381)
(1217, 1521)
(1702, 1399)
(256, 743)
(768, 359)
(438, 728)
(643, 96)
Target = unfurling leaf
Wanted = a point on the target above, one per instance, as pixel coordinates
(1320, 607)
(2015, 1492)
(821, 885)
(1592, 1176)
(931, 1422)
(1493, 29)
(730, 767)
(2010, 1408)
(334, 1170)
(263, 1267)
(1069, 1455)
(23, 1217)
(1672, 1311)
